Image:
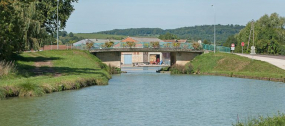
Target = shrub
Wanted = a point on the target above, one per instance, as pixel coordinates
(109, 44)
(197, 46)
(176, 44)
(7, 68)
(131, 44)
(277, 120)
(179, 69)
(30, 89)
(146, 45)
(154, 44)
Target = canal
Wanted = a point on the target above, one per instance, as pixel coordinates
(143, 97)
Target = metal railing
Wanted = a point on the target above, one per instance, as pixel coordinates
(162, 45)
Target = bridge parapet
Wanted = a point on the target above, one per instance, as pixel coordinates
(151, 46)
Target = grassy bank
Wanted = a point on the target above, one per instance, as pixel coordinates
(277, 120)
(231, 65)
(50, 71)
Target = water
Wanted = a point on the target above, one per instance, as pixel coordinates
(149, 98)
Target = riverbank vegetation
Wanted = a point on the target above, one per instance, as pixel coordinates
(269, 36)
(277, 120)
(38, 73)
(231, 65)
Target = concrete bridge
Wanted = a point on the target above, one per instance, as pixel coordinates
(178, 56)
(176, 53)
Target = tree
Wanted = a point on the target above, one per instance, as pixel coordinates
(70, 34)
(231, 39)
(269, 34)
(28, 24)
(168, 36)
(206, 41)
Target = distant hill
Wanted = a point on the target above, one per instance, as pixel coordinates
(204, 32)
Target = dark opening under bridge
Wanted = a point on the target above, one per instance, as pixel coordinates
(180, 54)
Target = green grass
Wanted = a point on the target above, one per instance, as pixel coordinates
(71, 69)
(99, 36)
(277, 120)
(236, 66)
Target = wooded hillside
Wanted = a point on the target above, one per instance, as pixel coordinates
(205, 32)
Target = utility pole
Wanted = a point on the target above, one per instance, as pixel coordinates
(251, 29)
(57, 24)
(214, 29)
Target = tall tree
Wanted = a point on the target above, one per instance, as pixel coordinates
(269, 34)
(27, 24)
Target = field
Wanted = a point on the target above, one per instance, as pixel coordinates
(38, 73)
(99, 36)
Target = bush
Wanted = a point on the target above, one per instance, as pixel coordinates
(278, 120)
(7, 68)
(131, 44)
(179, 69)
(197, 46)
(154, 44)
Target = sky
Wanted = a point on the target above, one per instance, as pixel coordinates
(100, 15)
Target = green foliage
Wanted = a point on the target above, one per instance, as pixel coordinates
(71, 34)
(197, 46)
(109, 44)
(27, 25)
(113, 70)
(131, 44)
(231, 39)
(168, 36)
(191, 33)
(89, 45)
(99, 36)
(70, 69)
(179, 69)
(154, 44)
(269, 35)
(277, 120)
(176, 44)
(146, 45)
(30, 89)
(234, 65)
(7, 68)
(206, 41)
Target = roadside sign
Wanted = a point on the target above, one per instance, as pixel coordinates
(242, 43)
(252, 51)
(232, 46)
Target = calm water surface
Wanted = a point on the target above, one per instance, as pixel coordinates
(148, 98)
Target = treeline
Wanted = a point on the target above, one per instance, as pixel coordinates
(30, 24)
(205, 32)
(67, 38)
(269, 35)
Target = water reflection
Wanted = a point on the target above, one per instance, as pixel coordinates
(149, 98)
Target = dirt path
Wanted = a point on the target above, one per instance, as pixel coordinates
(278, 61)
(43, 67)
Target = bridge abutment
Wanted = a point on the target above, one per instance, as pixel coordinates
(110, 58)
(181, 58)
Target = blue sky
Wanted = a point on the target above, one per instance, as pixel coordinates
(101, 15)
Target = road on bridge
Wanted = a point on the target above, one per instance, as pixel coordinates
(278, 61)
